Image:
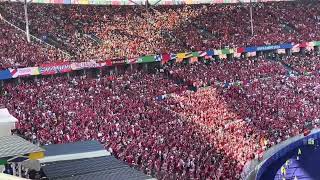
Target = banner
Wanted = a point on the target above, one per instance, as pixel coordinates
(120, 61)
(30, 71)
(54, 68)
(268, 48)
(5, 74)
(85, 65)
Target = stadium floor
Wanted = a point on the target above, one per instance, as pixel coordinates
(306, 168)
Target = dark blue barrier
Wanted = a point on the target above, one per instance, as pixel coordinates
(282, 152)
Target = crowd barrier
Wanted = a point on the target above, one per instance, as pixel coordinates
(64, 67)
(276, 152)
(143, 2)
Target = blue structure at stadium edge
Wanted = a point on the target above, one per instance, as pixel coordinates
(306, 168)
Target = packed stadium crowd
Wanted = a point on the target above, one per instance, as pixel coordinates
(102, 32)
(204, 120)
(208, 133)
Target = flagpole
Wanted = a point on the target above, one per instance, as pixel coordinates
(27, 20)
(251, 18)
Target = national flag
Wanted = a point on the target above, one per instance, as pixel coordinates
(108, 62)
(251, 54)
(202, 53)
(193, 60)
(237, 55)
(165, 58)
(131, 60)
(181, 55)
(13, 72)
(173, 56)
(281, 51)
(157, 58)
(188, 55)
(139, 60)
(309, 48)
(223, 56)
(296, 48)
(179, 60)
(195, 54)
(207, 57)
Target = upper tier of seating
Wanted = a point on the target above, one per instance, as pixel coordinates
(102, 32)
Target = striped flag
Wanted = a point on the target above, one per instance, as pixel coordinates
(251, 54)
(131, 60)
(158, 58)
(173, 56)
(202, 53)
(188, 55)
(237, 55)
(296, 48)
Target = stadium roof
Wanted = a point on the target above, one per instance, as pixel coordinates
(6, 117)
(15, 145)
(72, 151)
(72, 148)
(101, 168)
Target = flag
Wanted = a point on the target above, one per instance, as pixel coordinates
(223, 56)
(173, 56)
(131, 60)
(202, 53)
(147, 59)
(108, 62)
(157, 58)
(165, 58)
(281, 51)
(207, 57)
(193, 60)
(139, 60)
(237, 55)
(181, 55)
(251, 54)
(196, 54)
(188, 55)
(179, 60)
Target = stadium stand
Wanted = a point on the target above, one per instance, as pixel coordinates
(182, 119)
(103, 32)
